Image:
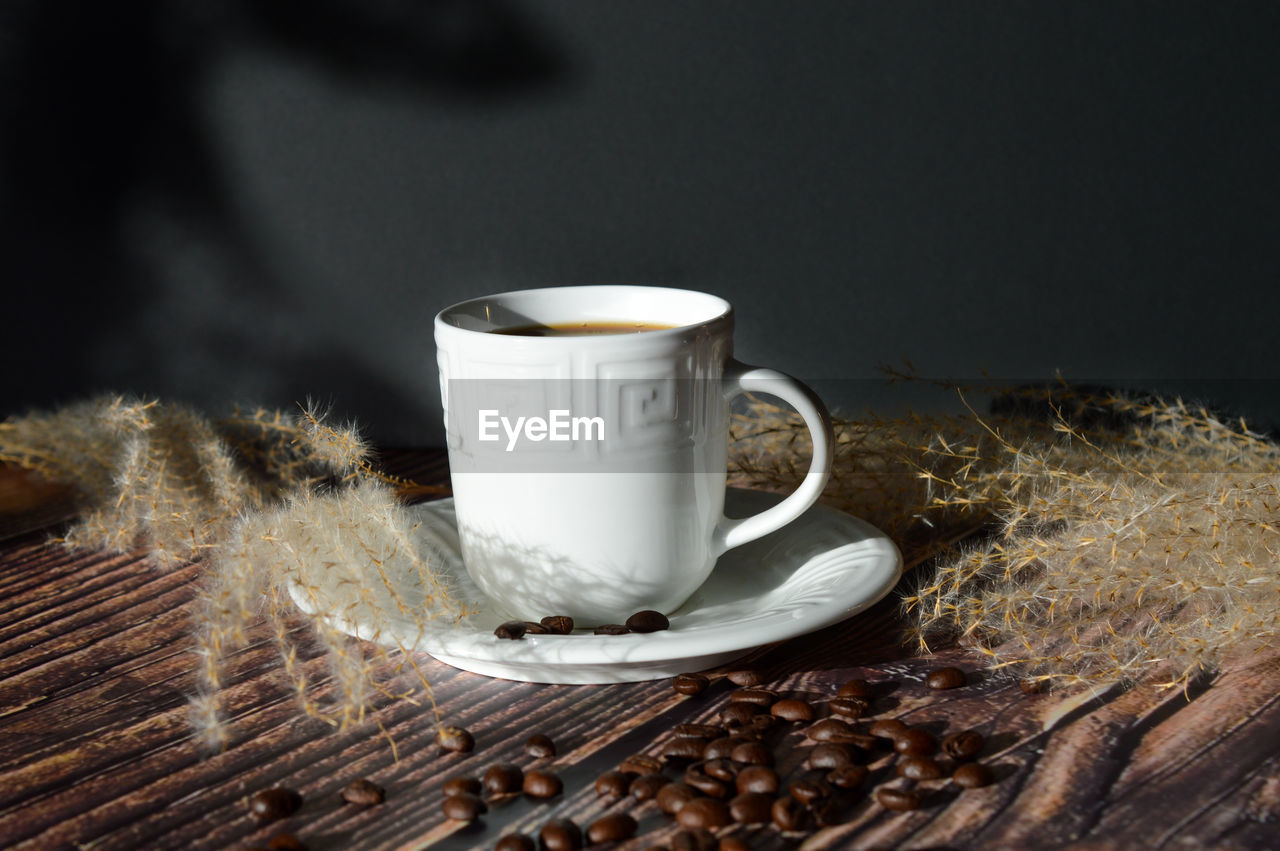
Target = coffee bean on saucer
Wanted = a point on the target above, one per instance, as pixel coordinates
(503, 778)
(971, 775)
(455, 739)
(510, 629)
(516, 842)
(745, 677)
(708, 813)
(531, 628)
(789, 814)
(963, 746)
(641, 764)
(898, 799)
(758, 778)
(611, 629)
(363, 793)
(647, 786)
(286, 842)
(861, 689)
(611, 828)
(916, 742)
(683, 748)
(690, 683)
(673, 796)
(944, 678)
(561, 834)
(613, 784)
(828, 729)
(698, 731)
(539, 746)
(461, 785)
(752, 753)
(539, 783)
(792, 709)
(698, 839)
(919, 768)
(828, 756)
(463, 807)
(275, 803)
(648, 621)
(848, 707)
(558, 624)
(888, 728)
(848, 776)
(751, 808)
(759, 696)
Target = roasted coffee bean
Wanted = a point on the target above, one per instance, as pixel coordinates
(1032, 686)
(558, 624)
(647, 786)
(722, 748)
(916, 742)
(745, 677)
(561, 834)
(751, 808)
(757, 778)
(971, 775)
(531, 628)
(455, 739)
(611, 828)
(720, 769)
(847, 707)
(861, 689)
(848, 777)
(648, 621)
(944, 678)
(540, 783)
(759, 696)
(510, 629)
(463, 807)
(860, 741)
(683, 748)
(740, 714)
(828, 756)
(888, 728)
(963, 746)
(695, 777)
(690, 684)
(919, 768)
(516, 842)
(704, 812)
(828, 729)
(699, 839)
(808, 791)
(760, 725)
(613, 784)
(286, 842)
(641, 764)
(733, 843)
(462, 785)
(897, 799)
(275, 803)
(752, 753)
(363, 793)
(792, 709)
(611, 629)
(825, 811)
(673, 796)
(789, 814)
(539, 746)
(698, 731)
(503, 778)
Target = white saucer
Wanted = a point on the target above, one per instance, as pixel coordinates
(823, 568)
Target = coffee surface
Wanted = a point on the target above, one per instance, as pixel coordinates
(581, 329)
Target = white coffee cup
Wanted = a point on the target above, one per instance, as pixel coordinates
(614, 503)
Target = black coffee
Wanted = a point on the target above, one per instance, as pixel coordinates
(582, 329)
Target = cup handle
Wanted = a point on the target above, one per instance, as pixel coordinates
(742, 378)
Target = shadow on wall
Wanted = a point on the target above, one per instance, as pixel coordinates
(107, 162)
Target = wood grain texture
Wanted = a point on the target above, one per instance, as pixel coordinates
(96, 665)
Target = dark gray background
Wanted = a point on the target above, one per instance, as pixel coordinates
(269, 200)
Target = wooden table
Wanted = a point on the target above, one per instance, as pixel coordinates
(95, 752)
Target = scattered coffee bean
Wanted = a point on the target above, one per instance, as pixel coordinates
(699, 839)
(698, 731)
(463, 807)
(757, 778)
(641, 764)
(611, 828)
(613, 784)
(286, 842)
(760, 726)
(752, 753)
(944, 678)
(647, 786)
(690, 683)
(848, 776)
(888, 728)
(745, 677)
(673, 796)
(275, 803)
(531, 628)
(455, 739)
(971, 775)
(916, 742)
(861, 689)
(363, 793)
(919, 768)
(503, 778)
(1033, 686)
(898, 799)
(825, 811)
(808, 791)
(828, 756)
(611, 629)
(828, 729)
(539, 783)
(721, 769)
(648, 621)
(722, 748)
(516, 842)
(789, 814)
(751, 808)
(792, 709)
(740, 714)
(683, 748)
(462, 785)
(847, 707)
(510, 629)
(561, 834)
(539, 746)
(733, 843)
(963, 746)
(760, 696)
(558, 624)
(698, 779)
(709, 813)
